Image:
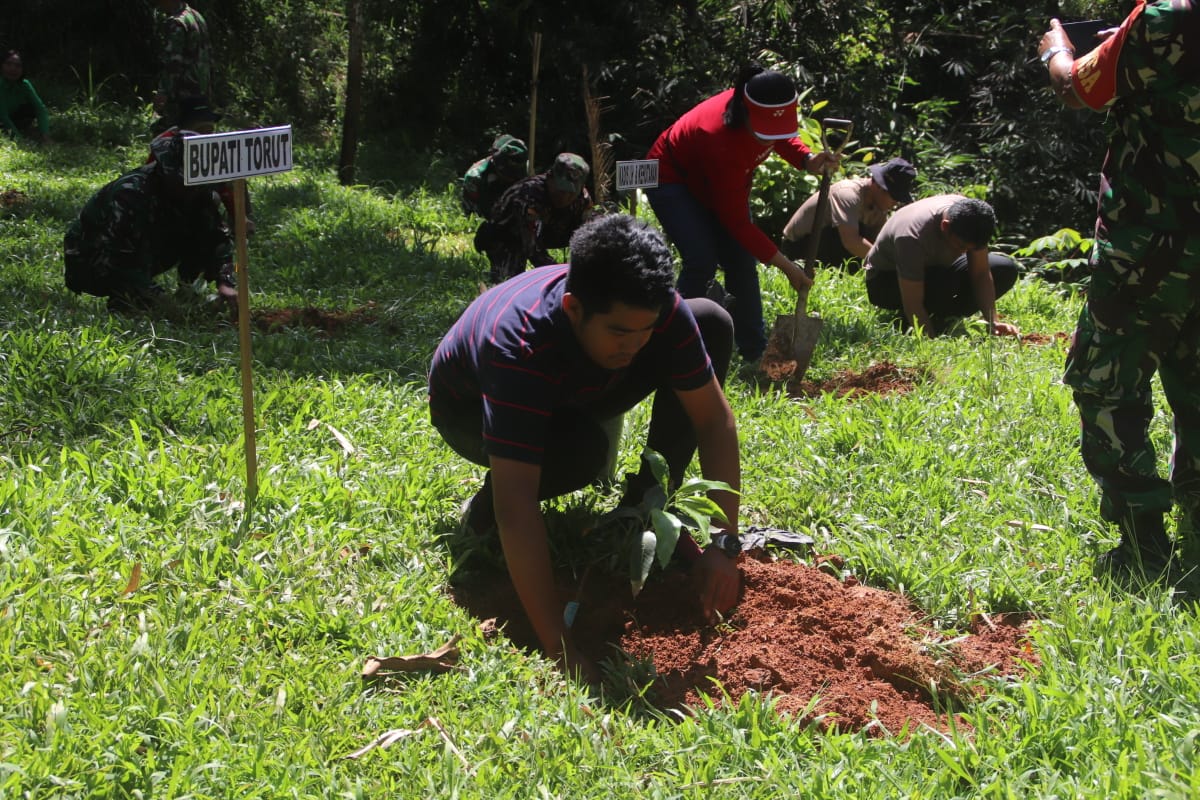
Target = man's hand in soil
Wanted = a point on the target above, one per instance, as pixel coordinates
(717, 581)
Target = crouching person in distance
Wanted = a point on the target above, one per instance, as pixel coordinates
(143, 224)
(525, 378)
(931, 263)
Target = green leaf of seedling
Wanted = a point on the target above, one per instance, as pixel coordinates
(667, 528)
(658, 466)
(700, 512)
(698, 486)
(642, 558)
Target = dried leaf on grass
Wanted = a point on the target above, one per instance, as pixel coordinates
(384, 741)
(347, 447)
(389, 738)
(135, 580)
(444, 659)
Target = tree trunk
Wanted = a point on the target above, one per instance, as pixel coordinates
(353, 95)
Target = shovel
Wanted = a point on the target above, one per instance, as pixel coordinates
(798, 332)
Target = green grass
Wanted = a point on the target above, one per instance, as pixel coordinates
(230, 666)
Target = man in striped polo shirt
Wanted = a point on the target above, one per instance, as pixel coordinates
(524, 380)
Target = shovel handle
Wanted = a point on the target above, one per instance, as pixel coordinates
(845, 127)
(801, 311)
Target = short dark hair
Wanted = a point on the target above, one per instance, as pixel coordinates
(616, 258)
(972, 220)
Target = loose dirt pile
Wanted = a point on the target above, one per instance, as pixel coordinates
(1045, 338)
(880, 378)
(12, 198)
(325, 322)
(822, 647)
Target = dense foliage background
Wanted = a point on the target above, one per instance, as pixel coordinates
(953, 86)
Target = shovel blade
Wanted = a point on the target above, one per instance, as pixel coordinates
(806, 331)
(784, 332)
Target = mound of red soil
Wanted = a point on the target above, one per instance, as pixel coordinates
(326, 322)
(880, 378)
(11, 198)
(1044, 338)
(823, 648)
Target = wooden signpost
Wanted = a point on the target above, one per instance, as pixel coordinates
(634, 175)
(234, 156)
(637, 174)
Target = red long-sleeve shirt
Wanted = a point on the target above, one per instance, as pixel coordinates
(717, 164)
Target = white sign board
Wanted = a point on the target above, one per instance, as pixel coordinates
(637, 174)
(213, 157)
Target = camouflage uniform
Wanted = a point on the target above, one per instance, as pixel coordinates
(141, 225)
(489, 177)
(525, 223)
(186, 62)
(1142, 314)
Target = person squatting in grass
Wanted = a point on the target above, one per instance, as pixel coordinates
(1143, 304)
(707, 159)
(524, 380)
(533, 215)
(22, 112)
(143, 224)
(488, 178)
(931, 263)
(858, 207)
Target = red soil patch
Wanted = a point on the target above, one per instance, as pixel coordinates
(881, 378)
(845, 655)
(11, 198)
(326, 322)
(1044, 338)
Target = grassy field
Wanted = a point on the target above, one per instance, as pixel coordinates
(157, 641)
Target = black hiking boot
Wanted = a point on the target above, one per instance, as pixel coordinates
(134, 301)
(479, 513)
(1145, 554)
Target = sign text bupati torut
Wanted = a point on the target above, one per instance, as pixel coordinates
(213, 157)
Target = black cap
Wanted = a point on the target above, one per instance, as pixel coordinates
(196, 109)
(896, 178)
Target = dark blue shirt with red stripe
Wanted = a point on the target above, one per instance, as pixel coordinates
(512, 359)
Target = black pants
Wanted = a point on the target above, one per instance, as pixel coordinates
(949, 292)
(830, 251)
(577, 447)
(24, 118)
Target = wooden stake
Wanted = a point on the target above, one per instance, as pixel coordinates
(239, 226)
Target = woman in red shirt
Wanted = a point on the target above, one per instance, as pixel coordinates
(706, 162)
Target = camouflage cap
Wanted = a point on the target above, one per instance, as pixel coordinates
(166, 152)
(504, 144)
(510, 154)
(568, 173)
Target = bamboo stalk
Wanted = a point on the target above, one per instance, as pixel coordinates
(602, 158)
(533, 92)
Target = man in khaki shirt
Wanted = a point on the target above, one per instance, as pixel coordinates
(858, 207)
(931, 263)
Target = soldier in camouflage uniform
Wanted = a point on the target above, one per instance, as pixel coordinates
(143, 224)
(1142, 313)
(489, 177)
(534, 215)
(186, 61)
